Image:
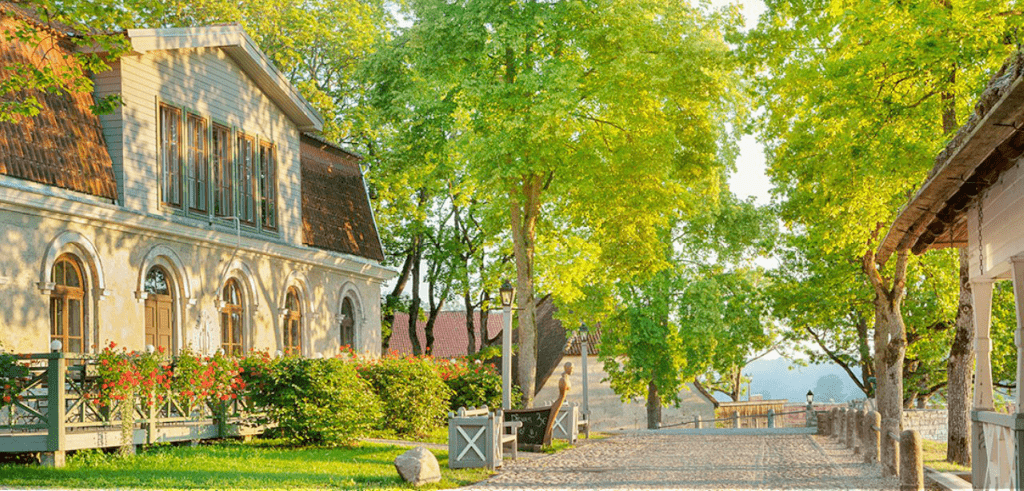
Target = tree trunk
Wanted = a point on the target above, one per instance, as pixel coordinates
(470, 332)
(653, 406)
(890, 346)
(525, 208)
(392, 299)
(959, 370)
(414, 307)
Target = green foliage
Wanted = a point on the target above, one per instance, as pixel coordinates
(13, 377)
(413, 396)
(314, 401)
(859, 97)
(473, 384)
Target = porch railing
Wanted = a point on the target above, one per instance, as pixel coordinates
(42, 419)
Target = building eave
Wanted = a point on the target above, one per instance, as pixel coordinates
(984, 147)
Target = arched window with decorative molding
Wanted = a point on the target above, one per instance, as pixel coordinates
(291, 334)
(68, 304)
(232, 314)
(348, 323)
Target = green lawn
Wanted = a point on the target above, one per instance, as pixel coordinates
(934, 454)
(262, 464)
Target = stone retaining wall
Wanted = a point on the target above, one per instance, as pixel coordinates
(931, 423)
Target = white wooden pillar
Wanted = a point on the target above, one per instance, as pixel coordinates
(1018, 335)
(981, 293)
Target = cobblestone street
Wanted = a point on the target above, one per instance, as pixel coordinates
(688, 461)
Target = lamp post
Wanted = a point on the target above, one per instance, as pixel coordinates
(508, 295)
(810, 408)
(583, 366)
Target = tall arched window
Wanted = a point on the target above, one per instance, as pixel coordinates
(231, 315)
(292, 329)
(67, 305)
(348, 323)
(160, 328)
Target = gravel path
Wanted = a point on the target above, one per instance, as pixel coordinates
(688, 461)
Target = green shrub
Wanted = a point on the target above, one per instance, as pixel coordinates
(472, 384)
(414, 397)
(313, 401)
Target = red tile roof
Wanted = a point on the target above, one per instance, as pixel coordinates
(63, 145)
(450, 338)
(336, 212)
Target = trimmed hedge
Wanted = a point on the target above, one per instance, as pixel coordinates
(415, 399)
(313, 401)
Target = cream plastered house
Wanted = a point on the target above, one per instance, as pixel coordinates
(204, 212)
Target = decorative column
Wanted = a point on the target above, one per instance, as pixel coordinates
(981, 293)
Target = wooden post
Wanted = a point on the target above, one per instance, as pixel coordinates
(151, 412)
(872, 429)
(911, 461)
(56, 405)
(696, 421)
(981, 293)
(735, 419)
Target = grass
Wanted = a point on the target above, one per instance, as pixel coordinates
(261, 464)
(934, 454)
(437, 435)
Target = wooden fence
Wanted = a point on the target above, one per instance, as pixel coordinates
(53, 422)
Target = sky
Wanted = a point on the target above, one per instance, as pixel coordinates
(749, 179)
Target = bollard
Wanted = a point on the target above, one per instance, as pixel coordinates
(825, 423)
(735, 419)
(771, 418)
(839, 426)
(890, 453)
(858, 432)
(911, 461)
(842, 425)
(848, 426)
(696, 421)
(871, 421)
(834, 429)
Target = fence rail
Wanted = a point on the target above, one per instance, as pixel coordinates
(57, 410)
(731, 418)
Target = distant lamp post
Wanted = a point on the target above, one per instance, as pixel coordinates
(508, 295)
(584, 337)
(810, 409)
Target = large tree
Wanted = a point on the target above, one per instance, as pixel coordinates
(598, 121)
(859, 97)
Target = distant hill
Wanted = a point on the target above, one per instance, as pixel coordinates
(778, 378)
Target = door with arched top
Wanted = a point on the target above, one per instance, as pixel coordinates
(160, 325)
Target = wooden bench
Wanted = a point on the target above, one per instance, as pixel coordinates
(477, 437)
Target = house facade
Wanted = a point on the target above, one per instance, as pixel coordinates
(203, 213)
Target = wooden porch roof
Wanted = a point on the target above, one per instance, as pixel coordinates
(982, 149)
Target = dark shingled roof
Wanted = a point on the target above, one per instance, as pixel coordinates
(572, 348)
(63, 145)
(336, 213)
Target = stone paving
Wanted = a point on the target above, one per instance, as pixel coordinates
(656, 460)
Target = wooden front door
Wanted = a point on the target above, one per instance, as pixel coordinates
(160, 310)
(160, 321)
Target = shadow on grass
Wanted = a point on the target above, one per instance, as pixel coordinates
(233, 465)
